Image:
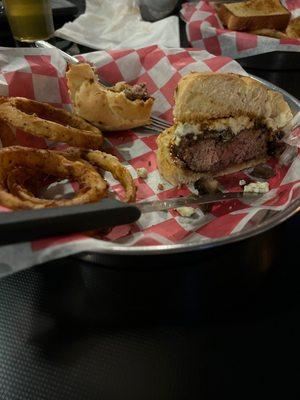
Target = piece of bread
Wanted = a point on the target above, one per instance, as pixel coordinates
(254, 14)
(293, 29)
(273, 33)
(174, 170)
(108, 108)
(202, 96)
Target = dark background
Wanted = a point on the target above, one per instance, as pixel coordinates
(202, 326)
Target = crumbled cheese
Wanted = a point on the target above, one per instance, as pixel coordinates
(185, 211)
(257, 187)
(177, 140)
(242, 182)
(278, 121)
(186, 128)
(235, 124)
(142, 172)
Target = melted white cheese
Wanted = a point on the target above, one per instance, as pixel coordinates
(186, 128)
(235, 124)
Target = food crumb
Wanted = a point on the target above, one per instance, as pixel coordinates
(160, 186)
(257, 187)
(242, 182)
(185, 211)
(142, 172)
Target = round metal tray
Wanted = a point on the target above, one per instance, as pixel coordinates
(272, 61)
(270, 219)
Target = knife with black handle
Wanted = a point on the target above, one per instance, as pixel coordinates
(24, 226)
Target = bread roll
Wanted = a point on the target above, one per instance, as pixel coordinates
(108, 108)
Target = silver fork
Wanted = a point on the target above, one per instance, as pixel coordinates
(157, 124)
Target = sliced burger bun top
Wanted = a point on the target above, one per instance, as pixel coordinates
(204, 96)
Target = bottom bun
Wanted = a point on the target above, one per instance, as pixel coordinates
(270, 33)
(173, 170)
(293, 29)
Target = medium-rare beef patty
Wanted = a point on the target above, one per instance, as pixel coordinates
(137, 92)
(213, 152)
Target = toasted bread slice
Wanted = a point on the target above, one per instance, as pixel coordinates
(273, 33)
(254, 14)
(293, 29)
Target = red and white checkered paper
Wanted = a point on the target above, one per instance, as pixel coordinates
(205, 31)
(40, 74)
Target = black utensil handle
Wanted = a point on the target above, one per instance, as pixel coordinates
(23, 226)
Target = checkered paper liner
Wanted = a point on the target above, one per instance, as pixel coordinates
(205, 31)
(40, 74)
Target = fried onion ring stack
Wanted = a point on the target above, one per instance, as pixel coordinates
(14, 193)
(24, 171)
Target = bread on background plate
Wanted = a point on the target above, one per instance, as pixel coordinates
(254, 14)
(273, 33)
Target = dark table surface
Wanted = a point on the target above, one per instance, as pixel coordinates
(73, 330)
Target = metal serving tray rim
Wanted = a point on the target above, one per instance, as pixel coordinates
(276, 219)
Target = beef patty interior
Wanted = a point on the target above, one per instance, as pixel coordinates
(216, 150)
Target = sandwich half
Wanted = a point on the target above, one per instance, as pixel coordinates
(254, 14)
(223, 123)
(121, 106)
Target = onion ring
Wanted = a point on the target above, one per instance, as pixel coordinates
(24, 183)
(44, 120)
(7, 135)
(108, 162)
(119, 172)
(92, 186)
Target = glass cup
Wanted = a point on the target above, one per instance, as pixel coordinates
(29, 20)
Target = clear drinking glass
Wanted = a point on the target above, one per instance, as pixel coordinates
(29, 20)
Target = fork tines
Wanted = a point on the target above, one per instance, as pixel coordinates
(160, 122)
(157, 124)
